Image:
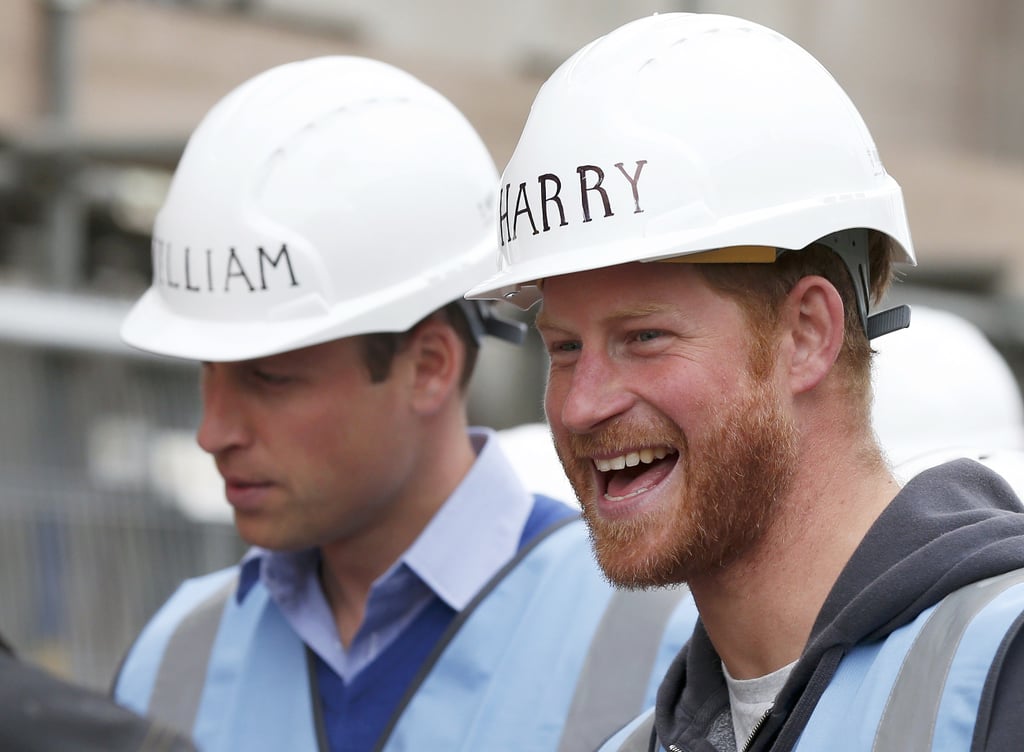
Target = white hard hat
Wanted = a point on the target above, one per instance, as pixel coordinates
(941, 390)
(531, 450)
(684, 133)
(321, 199)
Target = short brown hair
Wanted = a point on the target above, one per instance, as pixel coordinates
(759, 289)
(379, 348)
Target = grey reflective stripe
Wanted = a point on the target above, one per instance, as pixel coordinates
(182, 672)
(908, 721)
(322, 744)
(610, 690)
(639, 740)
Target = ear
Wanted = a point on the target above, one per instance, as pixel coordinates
(813, 321)
(437, 357)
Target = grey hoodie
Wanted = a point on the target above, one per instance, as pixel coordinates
(950, 526)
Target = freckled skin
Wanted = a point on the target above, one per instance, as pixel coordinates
(646, 355)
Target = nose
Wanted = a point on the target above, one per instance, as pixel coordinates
(222, 425)
(587, 396)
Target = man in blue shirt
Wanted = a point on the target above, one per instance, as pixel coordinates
(403, 588)
(722, 229)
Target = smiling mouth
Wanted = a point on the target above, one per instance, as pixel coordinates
(636, 472)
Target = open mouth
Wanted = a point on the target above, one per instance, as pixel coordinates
(635, 472)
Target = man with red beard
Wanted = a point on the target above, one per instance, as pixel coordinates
(704, 216)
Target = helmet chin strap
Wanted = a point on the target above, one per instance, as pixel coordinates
(852, 247)
(483, 320)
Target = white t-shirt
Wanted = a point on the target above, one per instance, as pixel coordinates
(750, 699)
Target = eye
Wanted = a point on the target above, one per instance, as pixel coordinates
(270, 378)
(563, 352)
(648, 335)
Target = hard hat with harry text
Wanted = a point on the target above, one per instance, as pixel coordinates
(679, 134)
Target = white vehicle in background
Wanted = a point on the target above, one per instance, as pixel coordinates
(943, 391)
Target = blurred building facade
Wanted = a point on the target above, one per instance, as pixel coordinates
(105, 503)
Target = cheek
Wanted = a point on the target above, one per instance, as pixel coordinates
(554, 397)
(323, 438)
(688, 392)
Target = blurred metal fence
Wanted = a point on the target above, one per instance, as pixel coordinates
(105, 502)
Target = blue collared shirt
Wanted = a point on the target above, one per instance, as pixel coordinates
(484, 519)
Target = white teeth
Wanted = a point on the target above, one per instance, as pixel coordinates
(630, 495)
(632, 459)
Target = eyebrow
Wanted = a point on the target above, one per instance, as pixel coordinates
(544, 321)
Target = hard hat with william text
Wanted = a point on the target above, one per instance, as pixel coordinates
(320, 199)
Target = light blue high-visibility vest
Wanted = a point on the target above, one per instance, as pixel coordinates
(918, 690)
(550, 659)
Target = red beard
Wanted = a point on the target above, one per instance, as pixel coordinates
(733, 478)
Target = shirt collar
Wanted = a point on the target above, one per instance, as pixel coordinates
(484, 519)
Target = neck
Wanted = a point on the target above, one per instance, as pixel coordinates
(351, 565)
(760, 609)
